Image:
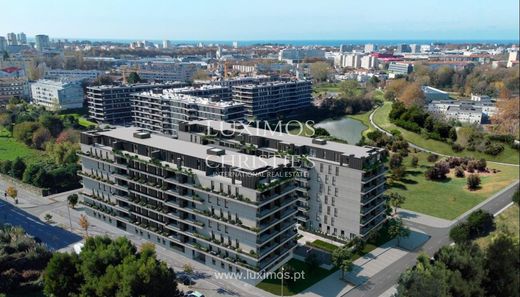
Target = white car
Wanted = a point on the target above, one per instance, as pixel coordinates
(194, 294)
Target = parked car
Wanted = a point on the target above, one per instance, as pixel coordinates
(186, 280)
(194, 294)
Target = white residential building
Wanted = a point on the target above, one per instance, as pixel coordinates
(74, 74)
(369, 62)
(463, 111)
(57, 95)
(369, 48)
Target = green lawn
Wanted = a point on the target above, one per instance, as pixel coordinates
(364, 118)
(507, 220)
(329, 247)
(326, 87)
(311, 275)
(509, 155)
(81, 119)
(449, 198)
(10, 149)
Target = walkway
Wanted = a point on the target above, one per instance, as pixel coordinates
(370, 117)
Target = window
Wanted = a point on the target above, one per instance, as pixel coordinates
(225, 203)
(333, 201)
(326, 199)
(328, 210)
(337, 170)
(325, 220)
(335, 191)
(335, 212)
(332, 223)
(321, 168)
(330, 169)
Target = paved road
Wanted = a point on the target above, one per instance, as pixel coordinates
(389, 276)
(55, 237)
(370, 117)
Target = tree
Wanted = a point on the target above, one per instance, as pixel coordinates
(62, 153)
(72, 200)
(48, 218)
(396, 200)
(5, 166)
(502, 259)
(52, 122)
(507, 119)
(84, 224)
(320, 71)
(103, 80)
(516, 197)
(395, 161)
(12, 192)
(133, 78)
(412, 95)
(473, 181)
(459, 171)
(414, 161)
(40, 137)
(396, 228)
(460, 233)
(342, 258)
(349, 88)
(23, 132)
(200, 75)
(480, 223)
(438, 171)
(18, 168)
(62, 277)
(394, 88)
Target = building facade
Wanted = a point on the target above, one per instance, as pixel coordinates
(269, 101)
(57, 95)
(13, 87)
(339, 186)
(162, 110)
(72, 74)
(42, 42)
(112, 104)
(215, 206)
(178, 71)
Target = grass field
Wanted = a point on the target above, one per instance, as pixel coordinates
(449, 198)
(326, 87)
(10, 148)
(506, 221)
(81, 120)
(364, 118)
(509, 155)
(329, 247)
(312, 276)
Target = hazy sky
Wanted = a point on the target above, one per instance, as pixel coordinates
(263, 19)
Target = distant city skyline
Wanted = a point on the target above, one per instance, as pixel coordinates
(265, 20)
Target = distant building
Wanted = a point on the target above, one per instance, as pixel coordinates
(400, 68)
(351, 60)
(42, 42)
(345, 48)
(218, 92)
(176, 107)
(480, 98)
(415, 48)
(297, 55)
(167, 71)
(11, 39)
(369, 62)
(403, 48)
(463, 111)
(57, 95)
(268, 101)
(433, 94)
(3, 45)
(426, 48)
(166, 44)
(74, 74)
(13, 87)
(513, 59)
(12, 72)
(369, 48)
(235, 44)
(112, 104)
(22, 38)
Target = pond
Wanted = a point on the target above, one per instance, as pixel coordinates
(345, 128)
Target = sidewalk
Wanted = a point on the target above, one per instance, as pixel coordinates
(423, 219)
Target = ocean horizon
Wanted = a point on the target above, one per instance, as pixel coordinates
(310, 42)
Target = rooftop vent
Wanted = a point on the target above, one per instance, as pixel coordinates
(319, 141)
(142, 134)
(216, 151)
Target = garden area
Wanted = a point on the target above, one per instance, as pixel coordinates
(449, 197)
(506, 222)
(382, 119)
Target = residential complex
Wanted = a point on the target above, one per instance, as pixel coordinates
(57, 94)
(177, 71)
(207, 91)
(42, 42)
(72, 74)
(398, 68)
(297, 55)
(162, 110)
(464, 111)
(111, 104)
(13, 87)
(219, 207)
(269, 101)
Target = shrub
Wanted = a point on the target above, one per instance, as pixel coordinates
(481, 165)
(433, 158)
(410, 126)
(415, 161)
(473, 181)
(459, 171)
(460, 233)
(395, 161)
(516, 197)
(457, 147)
(493, 149)
(438, 171)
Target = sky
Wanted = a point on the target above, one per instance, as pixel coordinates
(264, 19)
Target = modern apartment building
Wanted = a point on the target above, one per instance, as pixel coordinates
(297, 55)
(42, 42)
(339, 186)
(13, 87)
(207, 91)
(3, 44)
(168, 71)
(57, 94)
(72, 74)
(269, 101)
(400, 68)
(162, 110)
(225, 209)
(111, 104)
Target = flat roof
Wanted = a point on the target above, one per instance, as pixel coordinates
(230, 158)
(169, 94)
(346, 149)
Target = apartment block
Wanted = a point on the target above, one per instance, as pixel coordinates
(57, 94)
(167, 71)
(72, 74)
(111, 104)
(269, 101)
(13, 87)
(339, 186)
(228, 210)
(162, 110)
(207, 91)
